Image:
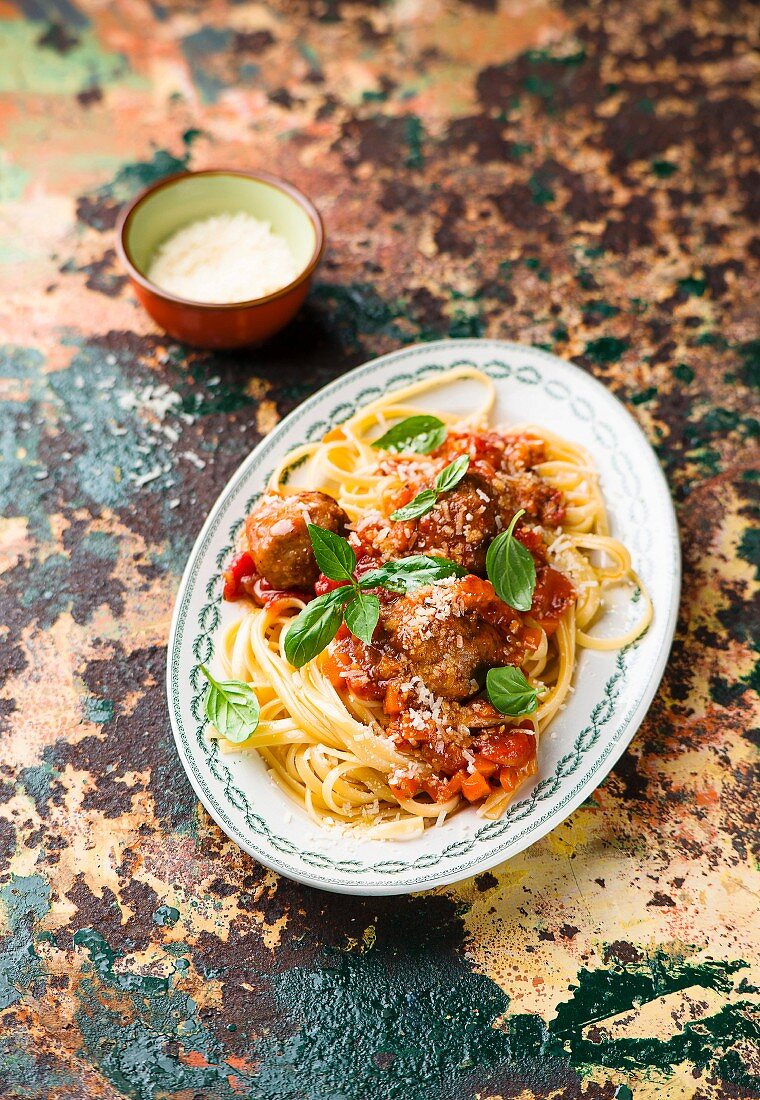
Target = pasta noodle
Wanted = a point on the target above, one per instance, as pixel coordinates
(329, 749)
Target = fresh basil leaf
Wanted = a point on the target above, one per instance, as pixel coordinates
(452, 475)
(510, 692)
(316, 626)
(231, 707)
(361, 614)
(422, 434)
(423, 503)
(335, 557)
(407, 573)
(511, 568)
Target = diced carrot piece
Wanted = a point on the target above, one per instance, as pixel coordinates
(485, 767)
(335, 666)
(442, 791)
(475, 787)
(394, 699)
(451, 788)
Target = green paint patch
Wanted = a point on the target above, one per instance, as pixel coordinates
(363, 1030)
(356, 310)
(534, 264)
(414, 135)
(692, 287)
(683, 372)
(103, 958)
(540, 190)
(198, 48)
(712, 340)
(26, 900)
(465, 324)
(714, 1043)
(643, 396)
(140, 1034)
(519, 149)
(663, 169)
(98, 710)
(708, 458)
(607, 349)
(718, 421)
(166, 916)
(28, 66)
(750, 368)
(600, 309)
(749, 548)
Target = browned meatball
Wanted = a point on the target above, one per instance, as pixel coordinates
(527, 490)
(461, 526)
(279, 541)
(450, 634)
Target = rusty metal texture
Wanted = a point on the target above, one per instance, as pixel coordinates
(577, 176)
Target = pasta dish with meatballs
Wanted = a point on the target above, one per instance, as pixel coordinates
(409, 623)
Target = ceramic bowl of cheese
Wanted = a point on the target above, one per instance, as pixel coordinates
(172, 235)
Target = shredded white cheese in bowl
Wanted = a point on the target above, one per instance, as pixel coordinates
(223, 259)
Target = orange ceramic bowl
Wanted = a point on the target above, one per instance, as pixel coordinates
(174, 202)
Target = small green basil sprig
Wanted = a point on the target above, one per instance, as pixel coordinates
(425, 501)
(231, 707)
(509, 691)
(315, 627)
(512, 572)
(511, 568)
(422, 434)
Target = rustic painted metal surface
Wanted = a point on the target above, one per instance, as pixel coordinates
(577, 176)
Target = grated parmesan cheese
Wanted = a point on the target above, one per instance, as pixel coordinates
(225, 258)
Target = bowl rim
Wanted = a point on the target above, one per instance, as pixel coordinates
(130, 209)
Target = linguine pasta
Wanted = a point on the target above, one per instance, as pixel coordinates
(329, 749)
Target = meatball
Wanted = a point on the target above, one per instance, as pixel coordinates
(527, 490)
(451, 633)
(279, 541)
(461, 526)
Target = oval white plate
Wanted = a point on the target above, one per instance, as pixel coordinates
(612, 690)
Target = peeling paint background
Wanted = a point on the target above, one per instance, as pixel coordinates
(576, 176)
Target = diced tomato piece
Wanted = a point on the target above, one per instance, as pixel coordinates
(475, 786)
(509, 779)
(323, 585)
(406, 786)
(531, 539)
(242, 567)
(485, 767)
(512, 747)
(552, 596)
